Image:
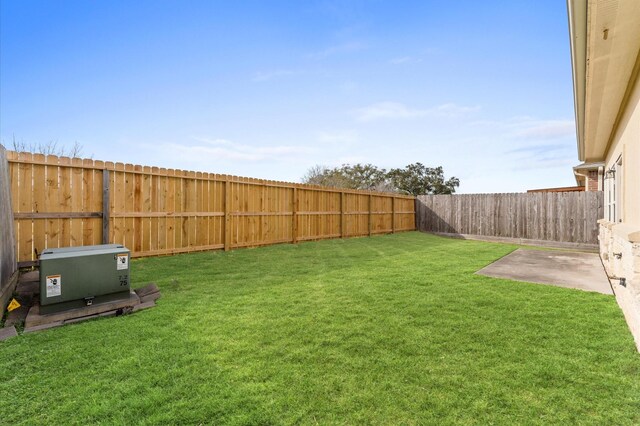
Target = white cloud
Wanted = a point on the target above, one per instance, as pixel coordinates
(531, 128)
(453, 110)
(405, 60)
(528, 143)
(251, 152)
(417, 57)
(547, 129)
(347, 137)
(351, 159)
(209, 150)
(386, 110)
(397, 110)
(349, 86)
(337, 49)
(270, 75)
(535, 164)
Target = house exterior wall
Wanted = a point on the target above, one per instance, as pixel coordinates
(626, 144)
(592, 181)
(620, 235)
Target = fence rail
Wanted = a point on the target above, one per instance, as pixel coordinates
(61, 202)
(569, 217)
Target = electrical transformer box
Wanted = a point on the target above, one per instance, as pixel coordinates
(74, 277)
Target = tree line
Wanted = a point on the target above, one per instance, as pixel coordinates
(414, 179)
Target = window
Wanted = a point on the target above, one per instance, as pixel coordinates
(618, 188)
(613, 192)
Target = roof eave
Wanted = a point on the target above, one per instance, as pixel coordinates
(577, 13)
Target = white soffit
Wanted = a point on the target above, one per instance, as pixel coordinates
(613, 44)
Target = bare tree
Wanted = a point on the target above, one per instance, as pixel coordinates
(314, 175)
(324, 176)
(49, 148)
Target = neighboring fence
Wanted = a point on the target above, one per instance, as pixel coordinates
(58, 202)
(569, 217)
(8, 265)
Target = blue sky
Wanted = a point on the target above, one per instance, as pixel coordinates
(269, 89)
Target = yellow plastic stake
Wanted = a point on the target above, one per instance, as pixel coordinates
(13, 305)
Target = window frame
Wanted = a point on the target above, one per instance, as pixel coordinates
(613, 191)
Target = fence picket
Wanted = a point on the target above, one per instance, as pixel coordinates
(562, 217)
(156, 211)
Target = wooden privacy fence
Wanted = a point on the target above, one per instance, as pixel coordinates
(8, 267)
(551, 216)
(60, 202)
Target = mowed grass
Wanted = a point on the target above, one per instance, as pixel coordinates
(393, 329)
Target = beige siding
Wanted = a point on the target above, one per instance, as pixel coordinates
(620, 242)
(626, 142)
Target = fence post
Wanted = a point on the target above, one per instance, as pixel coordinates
(370, 215)
(227, 216)
(342, 218)
(294, 216)
(393, 214)
(106, 201)
(8, 255)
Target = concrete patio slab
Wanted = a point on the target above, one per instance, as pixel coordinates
(569, 269)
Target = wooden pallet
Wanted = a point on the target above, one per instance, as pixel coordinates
(29, 313)
(36, 321)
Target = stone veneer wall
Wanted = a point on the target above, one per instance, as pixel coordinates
(620, 253)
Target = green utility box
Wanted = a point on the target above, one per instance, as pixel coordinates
(74, 277)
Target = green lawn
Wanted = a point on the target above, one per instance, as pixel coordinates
(393, 329)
